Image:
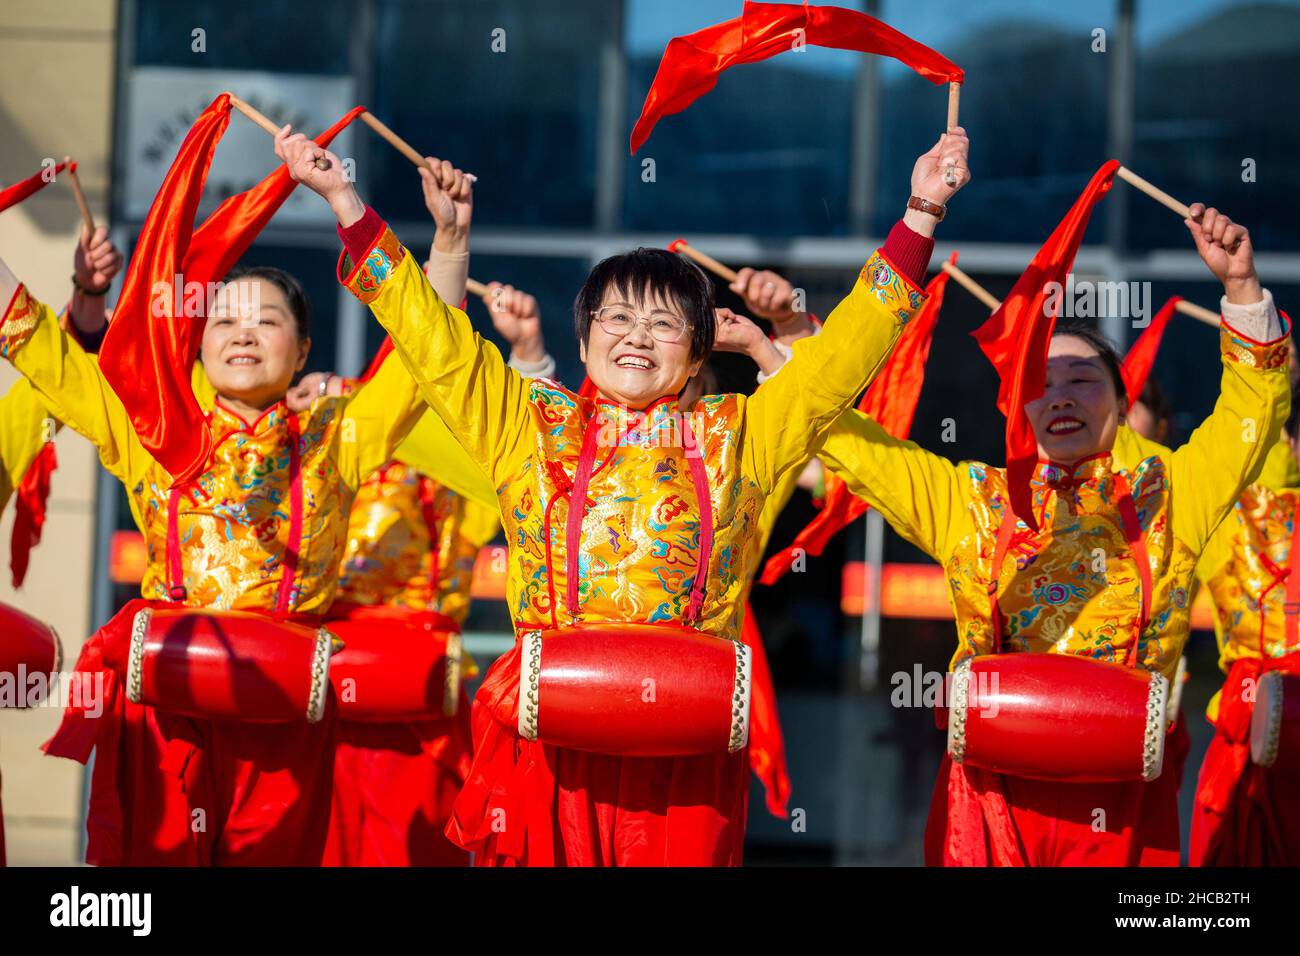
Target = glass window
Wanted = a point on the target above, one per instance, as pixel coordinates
(523, 119)
(1214, 116)
(245, 35)
(1035, 103)
(749, 156)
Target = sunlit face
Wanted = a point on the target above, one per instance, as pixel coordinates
(635, 368)
(252, 358)
(1079, 412)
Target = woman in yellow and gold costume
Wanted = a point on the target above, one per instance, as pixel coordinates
(1105, 577)
(262, 529)
(656, 552)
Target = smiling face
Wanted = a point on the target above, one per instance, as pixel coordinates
(634, 368)
(1080, 411)
(251, 358)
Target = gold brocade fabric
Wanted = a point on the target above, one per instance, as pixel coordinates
(1073, 588)
(641, 537)
(234, 521)
(1248, 590)
(389, 558)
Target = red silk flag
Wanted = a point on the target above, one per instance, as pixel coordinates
(1017, 335)
(890, 400)
(147, 358)
(691, 63)
(29, 510)
(766, 742)
(1136, 367)
(13, 195)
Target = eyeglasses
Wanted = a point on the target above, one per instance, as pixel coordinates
(663, 326)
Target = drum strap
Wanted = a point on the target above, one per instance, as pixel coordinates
(175, 571)
(577, 509)
(1137, 547)
(432, 523)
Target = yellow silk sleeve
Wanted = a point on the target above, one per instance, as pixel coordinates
(432, 449)
(480, 523)
(1217, 551)
(377, 417)
(463, 377)
(1226, 453)
(773, 506)
(1131, 449)
(1280, 470)
(71, 385)
(205, 394)
(23, 431)
(787, 416)
(919, 493)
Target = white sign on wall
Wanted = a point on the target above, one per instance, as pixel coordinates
(165, 101)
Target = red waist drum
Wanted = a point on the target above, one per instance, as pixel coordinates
(634, 690)
(27, 646)
(1058, 717)
(228, 665)
(390, 673)
(1275, 723)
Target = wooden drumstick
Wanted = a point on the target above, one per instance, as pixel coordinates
(474, 287)
(1159, 195)
(261, 120)
(393, 140)
(706, 261)
(1198, 312)
(954, 104)
(973, 287)
(77, 193)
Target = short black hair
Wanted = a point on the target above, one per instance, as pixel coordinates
(1103, 347)
(294, 293)
(643, 272)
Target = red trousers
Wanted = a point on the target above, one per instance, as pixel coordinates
(529, 804)
(394, 786)
(981, 818)
(1245, 815)
(177, 791)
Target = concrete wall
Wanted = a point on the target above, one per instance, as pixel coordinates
(56, 92)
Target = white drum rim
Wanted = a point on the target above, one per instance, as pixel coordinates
(530, 672)
(318, 693)
(742, 694)
(957, 706)
(1263, 752)
(135, 660)
(1157, 727)
(452, 674)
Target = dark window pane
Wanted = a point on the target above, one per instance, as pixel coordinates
(1034, 102)
(246, 34)
(522, 120)
(767, 151)
(1216, 87)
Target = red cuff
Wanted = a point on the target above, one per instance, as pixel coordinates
(361, 235)
(909, 252)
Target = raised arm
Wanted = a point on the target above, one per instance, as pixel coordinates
(462, 377)
(1226, 453)
(377, 417)
(919, 493)
(788, 415)
(68, 380)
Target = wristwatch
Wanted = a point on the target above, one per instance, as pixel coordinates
(938, 210)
